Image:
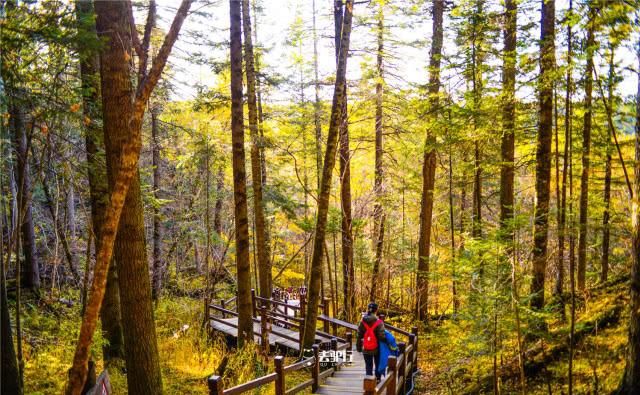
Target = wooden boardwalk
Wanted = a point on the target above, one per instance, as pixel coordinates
(278, 336)
(346, 381)
(279, 322)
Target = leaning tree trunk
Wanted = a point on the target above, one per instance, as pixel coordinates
(243, 265)
(113, 21)
(543, 154)
(429, 165)
(263, 247)
(337, 109)
(140, 343)
(604, 262)
(586, 152)
(631, 379)
(97, 176)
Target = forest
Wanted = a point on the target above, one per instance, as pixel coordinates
(169, 167)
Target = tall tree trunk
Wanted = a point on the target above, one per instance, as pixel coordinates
(261, 145)
(562, 200)
(378, 212)
(604, 263)
(429, 165)
(337, 118)
(9, 373)
(127, 112)
(30, 268)
(158, 265)
(97, 176)
(17, 108)
(263, 248)
(508, 120)
(141, 356)
(317, 106)
(568, 168)
(477, 40)
(543, 154)
(345, 177)
(243, 264)
(586, 151)
(631, 379)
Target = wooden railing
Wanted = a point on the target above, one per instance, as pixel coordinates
(400, 371)
(216, 385)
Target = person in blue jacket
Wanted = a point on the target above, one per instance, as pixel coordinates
(386, 349)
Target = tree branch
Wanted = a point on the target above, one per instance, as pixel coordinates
(151, 79)
(146, 41)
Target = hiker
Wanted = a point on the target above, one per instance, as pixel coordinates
(387, 349)
(370, 334)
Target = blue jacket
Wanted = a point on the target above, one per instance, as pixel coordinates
(386, 349)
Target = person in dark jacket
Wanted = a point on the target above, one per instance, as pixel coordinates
(371, 356)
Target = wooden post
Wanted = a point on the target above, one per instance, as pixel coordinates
(392, 370)
(303, 309)
(224, 315)
(402, 347)
(216, 386)
(315, 373)
(369, 385)
(414, 331)
(334, 350)
(325, 312)
(349, 340)
(303, 305)
(280, 383)
(264, 330)
(253, 302)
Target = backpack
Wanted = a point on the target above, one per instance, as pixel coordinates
(370, 341)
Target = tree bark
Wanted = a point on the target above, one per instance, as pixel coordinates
(30, 267)
(337, 118)
(507, 173)
(378, 212)
(631, 379)
(263, 248)
(9, 373)
(243, 265)
(97, 174)
(113, 21)
(345, 179)
(158, 264)
(543, 153)
(317, 106)
(586, 152)
(604, 262)
(477, 40)
(429, 165)
(141, 349)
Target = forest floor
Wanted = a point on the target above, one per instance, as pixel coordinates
(452, 359)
